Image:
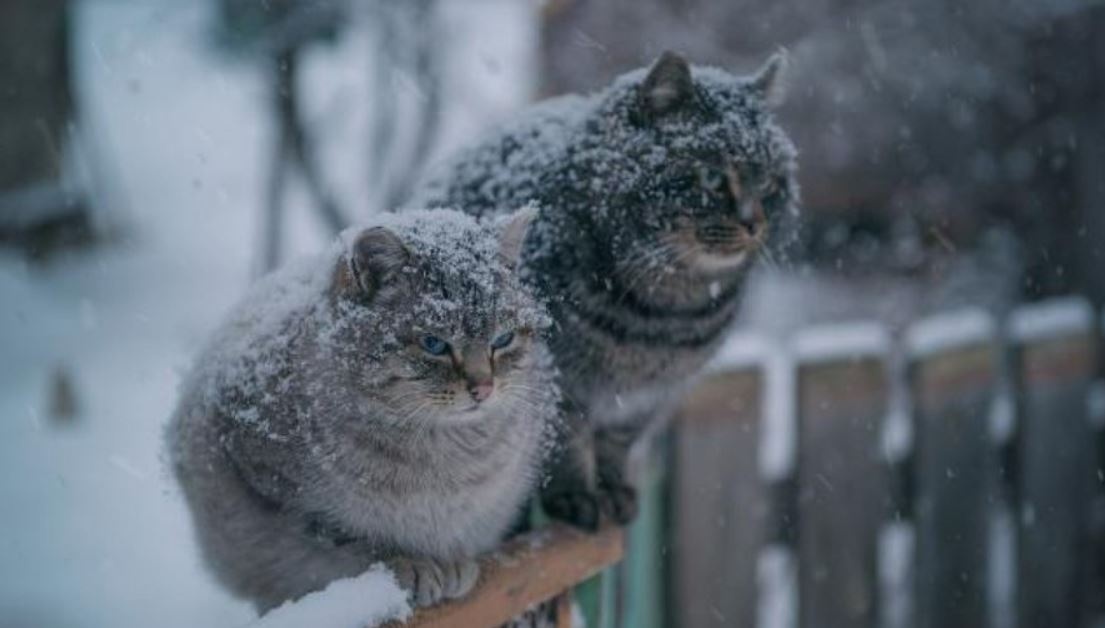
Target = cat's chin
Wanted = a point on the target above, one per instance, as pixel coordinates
(717, 263)
(468, 415)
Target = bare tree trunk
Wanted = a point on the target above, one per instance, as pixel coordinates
(407, 34)
(293, 152)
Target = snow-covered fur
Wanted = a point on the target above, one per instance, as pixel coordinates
(389, 400)
(654, 196)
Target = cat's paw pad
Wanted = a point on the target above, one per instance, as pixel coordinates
(460, 577)
(619, 502)
(579, 508)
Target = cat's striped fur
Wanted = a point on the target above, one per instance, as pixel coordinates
(316, 436)
(654, 196)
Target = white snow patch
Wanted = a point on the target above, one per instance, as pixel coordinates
(897, 433)
(777, 580)
(897, 429)
(1002, 419)
(896, 557)
(1050, 319)
(742, 350)
(839, 341)
(1095, 404)
(950, 330)
(578, 620)
(369, 599)
(779, 438)
(1001, 567)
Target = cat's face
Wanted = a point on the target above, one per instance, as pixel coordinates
(707, 174)
(447, 333)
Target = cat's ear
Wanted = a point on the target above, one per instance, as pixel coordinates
(376, 256)
(770, 80)
(512, 234)
(667, 86)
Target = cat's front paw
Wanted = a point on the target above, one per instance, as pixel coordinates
(578, 507)
(432, 581)
(584, 508)
(618, 501)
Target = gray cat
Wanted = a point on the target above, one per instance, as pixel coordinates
(387, 401)
(654, 197)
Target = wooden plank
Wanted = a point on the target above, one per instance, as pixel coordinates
(843, 490)
(564, 610)
(642, 598)
(953, 393)
(531, 569)
(1056, 475)
(719, 506)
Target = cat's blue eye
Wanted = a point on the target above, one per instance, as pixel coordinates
(434, 345)
(503, 340)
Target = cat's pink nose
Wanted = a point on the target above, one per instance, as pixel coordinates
(481, 390)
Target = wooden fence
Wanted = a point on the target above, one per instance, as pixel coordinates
(950, 474)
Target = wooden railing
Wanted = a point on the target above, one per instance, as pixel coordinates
(539, 567)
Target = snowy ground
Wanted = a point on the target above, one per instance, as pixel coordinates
(93, 532)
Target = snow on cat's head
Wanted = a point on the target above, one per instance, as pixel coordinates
(430, 317)
(701, 170)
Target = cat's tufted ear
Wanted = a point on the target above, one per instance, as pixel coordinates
(668, 85)
(512, 234)
(375, 257)
(770, 80)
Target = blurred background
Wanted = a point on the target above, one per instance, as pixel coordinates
(156, 156)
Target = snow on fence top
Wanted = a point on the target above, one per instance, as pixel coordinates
(779, 435)
(1050, 319)
(741, 350)
(367, 600)
(825, 343)
(951, 330)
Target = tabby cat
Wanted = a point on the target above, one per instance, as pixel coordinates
(654, 195)
(387, 401)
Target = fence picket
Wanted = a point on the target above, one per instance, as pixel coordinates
(719, 504)
(843, 487)
(1055, 353)
(953, 386)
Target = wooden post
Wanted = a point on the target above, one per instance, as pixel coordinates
(1055, 365)
(719, 504)
(1095, 578)
(642, 598)
(842, 401)
(954, 375)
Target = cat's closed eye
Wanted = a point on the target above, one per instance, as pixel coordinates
(502, 341)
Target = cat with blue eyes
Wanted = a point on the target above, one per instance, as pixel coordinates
(388, 401)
